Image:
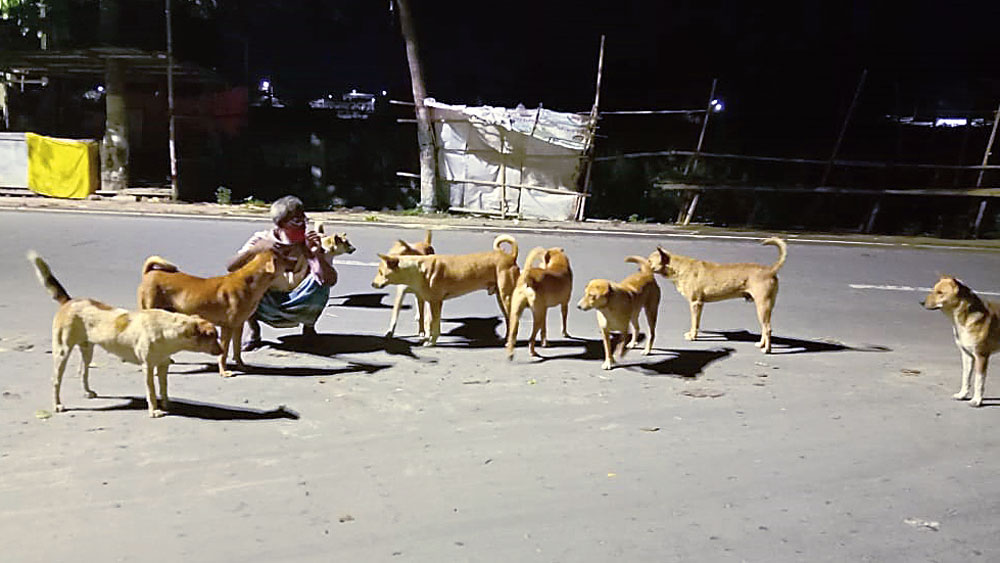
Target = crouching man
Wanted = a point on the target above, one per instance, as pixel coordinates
(299, 296)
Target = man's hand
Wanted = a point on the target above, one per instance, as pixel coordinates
(314, 244)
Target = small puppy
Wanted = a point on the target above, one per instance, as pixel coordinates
(335, 244)
(403, 248)
(619, 304)
(701, 282)
(540, 288)
(227, 301)
(147, 338)
(436, 277)
(975, 326)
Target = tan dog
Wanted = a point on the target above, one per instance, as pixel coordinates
(335, 244)
(403, 248)
(618, 306)
(437, 277)
(701, 282)
(976, 327)
(227, 301)
(147, 338)
(540, 288)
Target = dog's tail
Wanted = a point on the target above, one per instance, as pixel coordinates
(427, 237)
(782, 252)
(536, 254)
(508, 239)
(56, 290)
(643, 263)
(158, 263)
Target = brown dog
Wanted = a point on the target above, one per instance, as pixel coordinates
(701, 282)
(618, 306)
(403, 248)
(540, 288)
(437, 277)
(976, 327)
(227, 301)
(147, 338)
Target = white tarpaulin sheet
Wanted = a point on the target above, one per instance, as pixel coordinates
(482, 148)
(13, 160)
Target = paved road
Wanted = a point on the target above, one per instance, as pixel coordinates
(842, 446)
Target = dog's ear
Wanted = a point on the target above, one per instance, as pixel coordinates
(391, 261)
(664, 255)
(405, 245)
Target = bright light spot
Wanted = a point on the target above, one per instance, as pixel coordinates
(384, 92)
(951, 122)
(717, 105)
(100, 88)
(265, 84)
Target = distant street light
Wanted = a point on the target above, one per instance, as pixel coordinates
(717, 105)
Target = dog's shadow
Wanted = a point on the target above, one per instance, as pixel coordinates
(683, 363)
(329, 345)
(289, 371)
(474, 332)
(193, 409)
(785, 345)
(364, 301)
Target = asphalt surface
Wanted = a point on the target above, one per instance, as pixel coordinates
(843, 445)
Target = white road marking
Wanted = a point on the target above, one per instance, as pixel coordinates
(337, 262)
(906, 288)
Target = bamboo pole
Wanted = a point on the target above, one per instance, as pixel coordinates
(843, 128)
(582, 200)
(989, 147)
(701, 136)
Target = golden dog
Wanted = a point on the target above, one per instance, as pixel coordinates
(437, 277)
(701, 282)
(227, 301)
(148, 338)
(976, 327)
(539, 289)
(618, 306)
(403, 248)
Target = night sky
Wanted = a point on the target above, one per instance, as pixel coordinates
(658, 54)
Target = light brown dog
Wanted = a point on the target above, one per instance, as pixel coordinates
(403, 248)
(976, 328)
(701, 282)
(147, 338)
(227, 301)
(539, 289)
(618, 306)
(335, 244)
(437, 277)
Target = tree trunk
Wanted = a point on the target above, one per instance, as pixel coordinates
(114, 146)
(431, 196)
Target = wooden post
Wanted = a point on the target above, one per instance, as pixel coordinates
(174, 189)
(503, 174)
(977, 228)
(430, 194)
(989, 146)
(589, 149)
(701, 136)
(843, 128)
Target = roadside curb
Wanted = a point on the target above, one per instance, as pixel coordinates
(155, 208)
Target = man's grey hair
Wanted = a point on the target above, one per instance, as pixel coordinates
(285, 208)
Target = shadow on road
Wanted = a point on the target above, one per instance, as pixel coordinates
(683, 363)
(329, 345)
(193, 409)
(291, 371)
(784, 345)
(364, 301)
